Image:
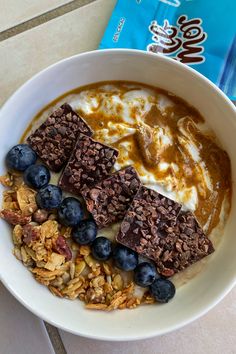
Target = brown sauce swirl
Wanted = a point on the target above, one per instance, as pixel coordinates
(183, 124)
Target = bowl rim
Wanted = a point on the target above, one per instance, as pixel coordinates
(231, 283)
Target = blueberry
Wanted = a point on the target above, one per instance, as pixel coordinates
(85, 232)
(49, 197)
(36, 176)
(162, 289)
(125, 258)
(144, 274)
(20, 157)
(101, 248)
(70, 212)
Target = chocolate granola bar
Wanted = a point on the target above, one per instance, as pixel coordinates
(89, 163)
(54, 140)
(154, 228)
(109, 199)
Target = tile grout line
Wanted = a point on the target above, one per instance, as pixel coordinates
(43, 18)
(55, 339)
(53, 333)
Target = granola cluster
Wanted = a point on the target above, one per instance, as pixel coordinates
(68, 270)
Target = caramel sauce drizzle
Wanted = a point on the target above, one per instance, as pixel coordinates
(177, 118)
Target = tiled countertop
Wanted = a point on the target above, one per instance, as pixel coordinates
(64, 28)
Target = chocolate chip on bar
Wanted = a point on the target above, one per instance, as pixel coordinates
(185, 245)
(154, 228)
(54, 140)
(89, 163)
(109, 199)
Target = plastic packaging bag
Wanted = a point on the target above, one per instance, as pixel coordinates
(199, 33)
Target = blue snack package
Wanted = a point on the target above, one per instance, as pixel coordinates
(199, 33)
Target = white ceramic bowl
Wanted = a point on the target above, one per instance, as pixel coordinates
(219, 275)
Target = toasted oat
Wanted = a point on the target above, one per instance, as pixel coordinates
(30, 252)
(74, 246)
(79, 258)
(66, 277)
(66, 231)
(17, 235)
(17, 253)
(92, 306)
(44, 273)
(122, 306)
(49, 229)
(117, 301)
(55, 291)
(17, 179)
(42, 281)
(108, 288)
(72, 286)
(76, 294)
(55, 261)
(129, 289)
(75, 281)
(26, 258)
(95, 272)
(26, 200)
(117, 282)
(97, 281)
(10, 200)
(58, 282)
(106, 268)
(12, 179)
(40, 264)
(148, 299)
(132, 302)
(72, 270)
(79, 268)
(41, 252)
(95, 295)
(48, 244)
(108, 279)
(6, 180)
(84, 250)
(91, 262)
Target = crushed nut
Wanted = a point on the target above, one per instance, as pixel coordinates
(40, 216)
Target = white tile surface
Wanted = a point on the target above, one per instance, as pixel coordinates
(13, 12)
(75, 32)
(20, 331)
(215, 333)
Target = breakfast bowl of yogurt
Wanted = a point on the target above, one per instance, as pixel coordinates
(118, 195)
